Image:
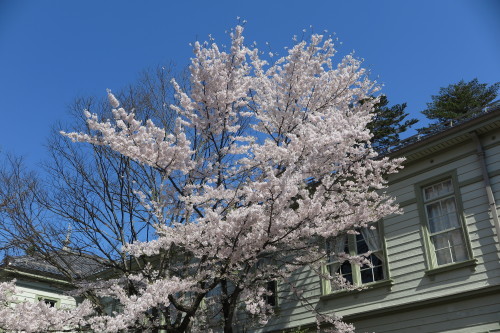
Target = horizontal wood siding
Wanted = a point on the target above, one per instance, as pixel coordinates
(407, 260)
(462, 316)
(29, 291)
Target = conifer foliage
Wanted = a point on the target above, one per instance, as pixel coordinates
(459, 99)
(388, 123)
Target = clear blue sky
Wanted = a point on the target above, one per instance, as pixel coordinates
(53, 51)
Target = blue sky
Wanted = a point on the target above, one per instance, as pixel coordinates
(54, 51)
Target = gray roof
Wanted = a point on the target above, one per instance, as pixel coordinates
(80, 265)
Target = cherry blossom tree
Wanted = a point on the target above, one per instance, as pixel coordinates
(265, 160)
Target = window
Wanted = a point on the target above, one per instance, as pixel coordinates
(443, 224)
(367, 239)
(51, 302)
(272, 288)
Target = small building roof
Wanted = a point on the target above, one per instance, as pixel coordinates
(78, 265)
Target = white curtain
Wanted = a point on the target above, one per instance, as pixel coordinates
(336, 246)
(372, 240)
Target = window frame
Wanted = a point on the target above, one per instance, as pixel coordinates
(57, 301)
(272, 300)
(429, 249)
(326, 288)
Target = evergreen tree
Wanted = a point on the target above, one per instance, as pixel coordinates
(456, 100)
(388, 123)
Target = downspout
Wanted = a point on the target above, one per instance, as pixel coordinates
(489, 192)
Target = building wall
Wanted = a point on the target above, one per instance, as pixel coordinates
(31, 291)
(468, 314)
(429, 301)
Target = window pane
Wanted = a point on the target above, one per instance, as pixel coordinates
(50, 302)
(378, 273)
(460, 254)
(374, 272)
(450, 213)
(366, 276)
(361, 246)
(429, 193)
(433, 214)
(336, 246)
(348, 277)
(442, 215)
(345, 268)
(459, 251)
(456, 237)
(441, 241)
(443, 256)
(449, 247)
(437, 190)
(332, 269)
(271, 287)
(447, 187)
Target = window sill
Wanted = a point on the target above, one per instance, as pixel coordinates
(451, 267)
(367, 286)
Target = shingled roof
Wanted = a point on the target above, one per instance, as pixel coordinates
(79, 265)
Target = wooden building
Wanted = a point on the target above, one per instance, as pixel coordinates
(436, 267)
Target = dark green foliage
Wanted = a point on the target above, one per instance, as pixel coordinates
(459, 99)
(388, 123)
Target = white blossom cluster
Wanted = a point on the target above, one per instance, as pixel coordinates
(17, 315)
(265, 160)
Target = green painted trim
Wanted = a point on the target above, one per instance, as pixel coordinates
(451, 267)
(424, 304)
(326, 289)
(423, 225)
(461, 214)
(355, 269)
(276, 295)
(387, 270)
(431, 262)
(367, 286)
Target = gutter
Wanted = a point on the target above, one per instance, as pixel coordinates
(487, 184)
(36, 276)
